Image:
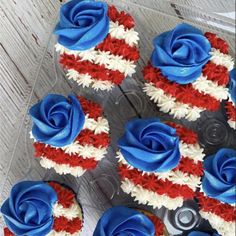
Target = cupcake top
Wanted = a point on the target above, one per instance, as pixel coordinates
(36, 208)
(201, 233)
(219, 179)
(122, 220)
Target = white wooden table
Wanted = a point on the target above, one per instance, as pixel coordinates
(25, 30)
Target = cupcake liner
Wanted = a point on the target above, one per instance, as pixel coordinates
(221, 216)
(67, 213)
(171, 188)
(107, 64)
(204, 94)
(85, 152)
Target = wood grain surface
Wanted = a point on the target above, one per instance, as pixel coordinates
(27, 54)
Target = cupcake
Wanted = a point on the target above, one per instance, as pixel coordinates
(122, 220)
(70, 134)
(230, 105)
(200, 233)
(188, 72)
(160, 164)
(218, 196)
(98, 45)
(36, 208)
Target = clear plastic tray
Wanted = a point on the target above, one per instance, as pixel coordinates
(99, 189)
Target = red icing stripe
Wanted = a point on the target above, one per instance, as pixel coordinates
(183, 93)
(88, 137)
(151, 183)
(217, 42)
(186, 135)
(187, 165)
(119, 47)
(96, 71)
(223, 210)
(230, 110)
(122, 17)
(216, 73)
(7, 232)
(159, 226)
(90, 108)
(60, 157)
(69, 226)
(65, 196)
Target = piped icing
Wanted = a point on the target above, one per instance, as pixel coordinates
(179, 96)
(155, 188)
(106, 63)
(48, 209)
(217, 199)
(85, 151)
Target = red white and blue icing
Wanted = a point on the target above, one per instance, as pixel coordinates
(230, 105)
(89, 145)
(218, 196)
(97, 62)
(121, 220)
(203, 93)
(83, 24)
(150, 145)
(181, 53)
(37, 208)
(57, 120)
(164, 188)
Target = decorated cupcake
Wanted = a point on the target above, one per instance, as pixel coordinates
(217, 201)
(98, 45)
(122, 220)
(36, 208)
(200, 233)
(160, 164)
(70, 134)
(188, 72)
(230, 105)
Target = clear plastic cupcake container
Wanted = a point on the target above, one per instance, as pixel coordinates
(99, 189)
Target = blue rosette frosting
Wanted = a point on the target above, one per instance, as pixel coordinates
(200, 233)
(150, 145)
(83, 24)
(181, 53)
(232, 85)
(123, 221)
(57, 120)
(219, 178)
(28, 210)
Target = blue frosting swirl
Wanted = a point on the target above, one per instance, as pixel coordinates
(150, 145)
(123, 221)
(83, 24)
(57, 120)
(199, 233)
(28, 210)
(219, 179)
(181, 53)
(232, 85)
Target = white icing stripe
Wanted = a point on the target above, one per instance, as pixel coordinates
(110, 61)
(232, 124)
(74, 211)
(62, 168)
(98, 126)
(85, 80)
(192, 151)
(168, 104)
(176, 177)
(130, 36)
(144, 196)
(62, 233)
(205, 86)
(222, 59)
(86, 151)
(223, 227)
